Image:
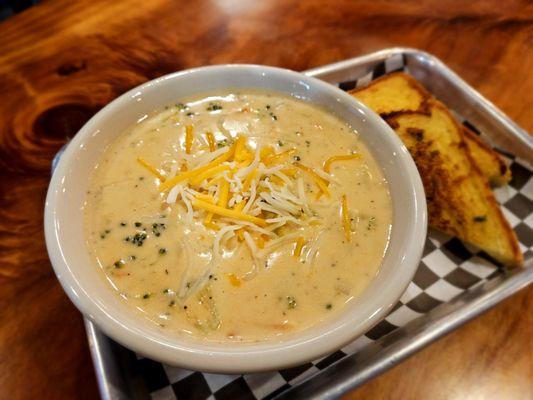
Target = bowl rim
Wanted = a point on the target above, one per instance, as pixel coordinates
(269, 355)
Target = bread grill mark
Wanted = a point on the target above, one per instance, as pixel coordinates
(493, 165)
(450, 210)
(418, 101)
(447, 157)
(417, 133)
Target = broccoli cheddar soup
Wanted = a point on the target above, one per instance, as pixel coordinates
(238, 216)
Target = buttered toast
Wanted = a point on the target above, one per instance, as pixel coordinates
(460, 201)
(399, 93)
(392, 94)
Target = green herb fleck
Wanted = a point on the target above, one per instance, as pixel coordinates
(297, 158)
(291, 302)
(157, 228)
(172, 303)
(138, 239)
(122, 224)
(146, 295)
(371, 223)
(480, 218)
(213, 107)
(138, 224)
(181, 106)
(274, 117)
(119, 264)
(280, 143)
(222, 143)
(329, 306)
(307, 143)
(105, 233)
(162, 250)
(166, 291)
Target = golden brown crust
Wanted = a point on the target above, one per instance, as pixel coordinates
(488, 160)
(387, 110)
(517, 258)
(454, 166)
(460, 202)
(410, 96)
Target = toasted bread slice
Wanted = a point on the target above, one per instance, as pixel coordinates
(399, 92)
(460, 201)
(392, 94)
(488, 161)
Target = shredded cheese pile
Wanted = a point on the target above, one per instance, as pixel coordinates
(256, 195)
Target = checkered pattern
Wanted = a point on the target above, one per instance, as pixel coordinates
(448, 268)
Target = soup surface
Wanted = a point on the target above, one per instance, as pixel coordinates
(241, 216)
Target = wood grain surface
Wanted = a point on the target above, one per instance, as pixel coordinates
(61, 61)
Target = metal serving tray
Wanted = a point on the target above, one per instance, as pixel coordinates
(450, 305)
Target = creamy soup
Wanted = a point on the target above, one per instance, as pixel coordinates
(241, 216)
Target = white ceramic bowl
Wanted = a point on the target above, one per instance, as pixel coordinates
(78, 276)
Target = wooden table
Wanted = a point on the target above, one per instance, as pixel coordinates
(61, 61)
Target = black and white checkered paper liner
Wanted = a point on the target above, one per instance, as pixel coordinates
(448, 268)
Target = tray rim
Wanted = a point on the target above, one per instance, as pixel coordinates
(508, 285)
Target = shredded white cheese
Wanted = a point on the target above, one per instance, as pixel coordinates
(274, 197)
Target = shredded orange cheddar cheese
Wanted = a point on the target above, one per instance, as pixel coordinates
(321, 182)
(272, 159)
(248, 180)
(290, 172)
(151, 168)
(208, 174)
(211, 141)
(214, 181)
(265, 153)
(224, 194)
(188, 174)
(212, 225)
(188, 139)
(208, 218)
(329, 161)
(277, 180)
(299, 246)
(234, 280)
(241, 153)
(206, 197)
(226, 212)
(260, 242)
(239, 206)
